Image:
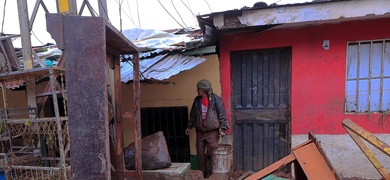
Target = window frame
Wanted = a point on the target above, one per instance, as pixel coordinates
(356, 79)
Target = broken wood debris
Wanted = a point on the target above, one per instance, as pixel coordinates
(308, 157)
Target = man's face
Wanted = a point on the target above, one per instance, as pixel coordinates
(201, 92)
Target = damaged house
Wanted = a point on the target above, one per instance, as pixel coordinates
(290, 69)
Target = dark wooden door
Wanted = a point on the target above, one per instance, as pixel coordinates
(261, 107)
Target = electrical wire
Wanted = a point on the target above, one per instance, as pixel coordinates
(208, 5)
(2, 24)
(131, 15)
(139, 21)
(169, 14)
(179, 14)
(189, 8)
(131, 19)
(36, 37)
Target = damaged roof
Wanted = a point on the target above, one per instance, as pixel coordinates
(290, 15)
(152, 39)
(162, 54)
(160, 67)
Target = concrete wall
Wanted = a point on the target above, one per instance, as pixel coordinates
(346, 157)
(318, 81)
(180, 94)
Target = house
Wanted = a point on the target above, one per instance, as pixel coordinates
(290, 69)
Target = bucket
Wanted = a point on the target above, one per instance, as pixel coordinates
(221, 158)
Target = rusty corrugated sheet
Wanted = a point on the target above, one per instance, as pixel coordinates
(160, 67)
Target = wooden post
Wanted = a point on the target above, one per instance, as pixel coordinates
(118, 120)
(137, 117)
(27, 52)
(25, 34)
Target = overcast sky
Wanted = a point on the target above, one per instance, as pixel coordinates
(147, 14)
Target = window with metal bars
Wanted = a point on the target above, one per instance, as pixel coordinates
(172, 121)
(368, 77)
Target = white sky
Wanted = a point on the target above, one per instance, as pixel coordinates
(151, 14)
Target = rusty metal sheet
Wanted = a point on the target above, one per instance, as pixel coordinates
(313, 163)
(273, 167)
(55, 26)
(309, 160)
(85, 57)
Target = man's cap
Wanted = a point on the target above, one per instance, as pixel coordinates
(204, 84)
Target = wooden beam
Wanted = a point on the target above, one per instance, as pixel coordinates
(137, 117)
(27, 51)
(118, 119)
(25, 34)
(373, 140)
(356, 133)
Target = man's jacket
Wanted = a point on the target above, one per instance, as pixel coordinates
(215, 117)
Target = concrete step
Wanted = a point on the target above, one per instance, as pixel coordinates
(217, 176)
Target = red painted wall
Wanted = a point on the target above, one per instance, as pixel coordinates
(318, 75)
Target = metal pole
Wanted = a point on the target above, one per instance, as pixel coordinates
(58, 123)
(103, 12)
(72, 7)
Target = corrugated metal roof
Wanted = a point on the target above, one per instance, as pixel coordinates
(160, 67)
(151, 39)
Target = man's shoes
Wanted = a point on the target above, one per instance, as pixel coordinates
(206, 175)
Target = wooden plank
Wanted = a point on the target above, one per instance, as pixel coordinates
(118, 120)
(28, 74)
(25, 34)
(272, 168)
(369, 154)
(238, 150)
(313, 163)
(373, 140)
(137, 117)
(247, 144)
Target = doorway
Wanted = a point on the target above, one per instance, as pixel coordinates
(261, 107)
(172, 121)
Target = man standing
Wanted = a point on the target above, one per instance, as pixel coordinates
(208, 116)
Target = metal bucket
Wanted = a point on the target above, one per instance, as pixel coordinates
(221, 158)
